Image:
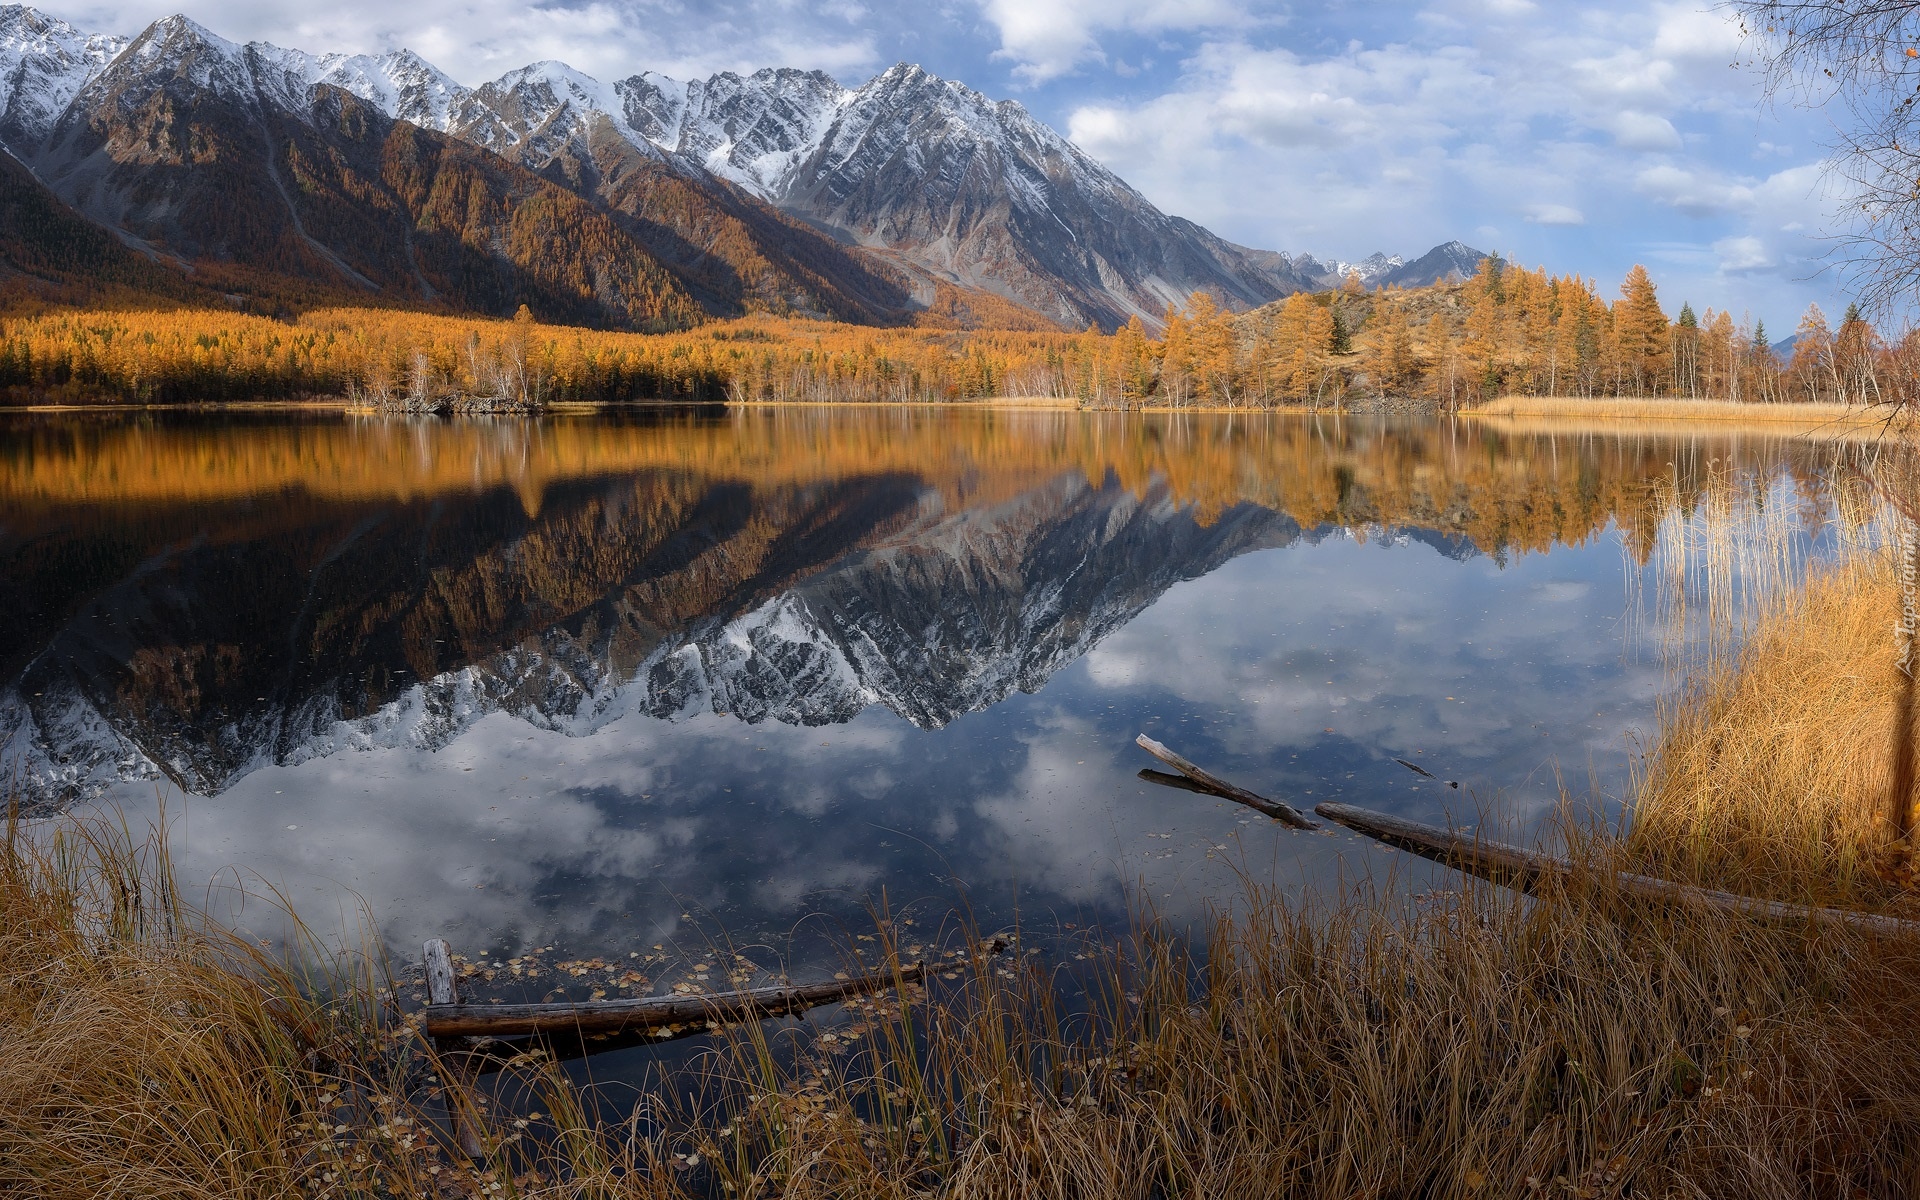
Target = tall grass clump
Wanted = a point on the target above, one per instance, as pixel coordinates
(1580, 1045)
(147, 1051)
(1785, 764)
(1774, 768)
(1474, 1045)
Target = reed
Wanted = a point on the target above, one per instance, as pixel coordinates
(1475, 1045)
(1478, 1047)
(1663, 408)
(151, 1052)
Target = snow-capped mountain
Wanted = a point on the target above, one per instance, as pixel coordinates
(782, 190)
(1445, 261)
(227, 160)
(1334, 272)
(935, 175)
(400, 83)
(937, 183)
(44, 62)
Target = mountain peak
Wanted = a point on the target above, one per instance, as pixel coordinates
(181, 27)
(19, 23)
(44, 62)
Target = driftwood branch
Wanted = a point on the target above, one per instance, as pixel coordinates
(1169, 779)
(457, 1060)
(1527, 870)
(1209, 782)
(613, 1016)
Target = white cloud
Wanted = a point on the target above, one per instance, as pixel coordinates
(476, 40)
(1747, 253)
(1555, 214)
(1625, 122)
(1696, 33)
(1046, 39)
(1696, 191)
(1644, 131)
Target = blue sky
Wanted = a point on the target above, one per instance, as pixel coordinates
(1580, 137)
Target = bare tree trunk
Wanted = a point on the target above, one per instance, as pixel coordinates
(1900, 797)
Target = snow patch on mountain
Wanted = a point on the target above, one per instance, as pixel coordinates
(400, 83)
(44, 62)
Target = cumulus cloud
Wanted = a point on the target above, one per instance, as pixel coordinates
(1644, 131)
(1626, 122)
(1746, 253)
(1695, 191)
(1556, 214)
(1049, 38)
(476, 40)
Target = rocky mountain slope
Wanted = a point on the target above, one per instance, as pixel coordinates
(926, 172)
(642, 202)
(953, 183)
(255, 170)
(1445, 261)
(218, 156)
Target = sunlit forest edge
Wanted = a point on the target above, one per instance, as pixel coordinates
(1508, 331)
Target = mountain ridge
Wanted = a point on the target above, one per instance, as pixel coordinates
(781, 191)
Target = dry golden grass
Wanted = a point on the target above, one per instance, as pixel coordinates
(1580, 1046)
(150, 1052)
(1775, 769)
(1664, 408)
(1479, 1046)
(143, 1054)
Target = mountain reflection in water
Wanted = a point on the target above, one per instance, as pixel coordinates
(612, 644)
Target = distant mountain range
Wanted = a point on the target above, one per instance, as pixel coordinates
(278, 176)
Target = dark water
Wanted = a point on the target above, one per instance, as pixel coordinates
(598, 683)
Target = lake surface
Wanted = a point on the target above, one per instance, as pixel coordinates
(608, 682)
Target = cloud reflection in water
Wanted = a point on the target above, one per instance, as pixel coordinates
(767, 666)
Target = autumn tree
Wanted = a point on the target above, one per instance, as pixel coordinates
(1176, 354)
(1133, 361)
(1214, 347)
(1640, 331)
(1812, 367)
(1393, 364)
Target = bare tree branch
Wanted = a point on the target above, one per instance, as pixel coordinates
(1860, 61)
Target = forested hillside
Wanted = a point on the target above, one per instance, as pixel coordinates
(1505, 331)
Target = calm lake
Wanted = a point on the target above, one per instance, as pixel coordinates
(603, 683)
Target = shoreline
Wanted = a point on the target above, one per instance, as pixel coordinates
(1516, 414)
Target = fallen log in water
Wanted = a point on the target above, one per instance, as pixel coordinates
(1207, 781)
(458, 1060)
(613, 1016)
(1525, 871)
